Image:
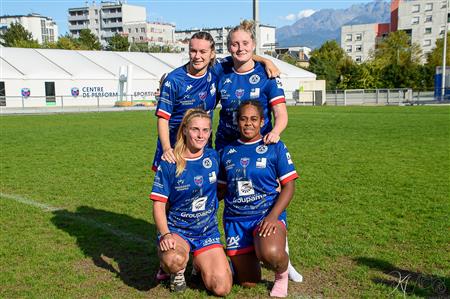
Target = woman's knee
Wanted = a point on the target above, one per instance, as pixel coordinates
(218, 283)
(173, 261)
(274, 257)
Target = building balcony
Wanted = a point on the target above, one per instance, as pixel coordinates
(112, 25)
(78, 27)
(107, 15)
(78, 18)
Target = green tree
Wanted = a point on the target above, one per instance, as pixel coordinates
(396, 61)
(88, 40)
(65, 42)
(118, 43)
(434, 59)
(17, 36)
(326, 62)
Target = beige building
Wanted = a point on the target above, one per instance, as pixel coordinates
(104, 20)
(152, 33)
(43, 29)
(424, 21)
(267, 36)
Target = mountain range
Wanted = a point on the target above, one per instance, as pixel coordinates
(326, 24)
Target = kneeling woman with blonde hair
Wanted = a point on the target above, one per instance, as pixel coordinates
(185, 207)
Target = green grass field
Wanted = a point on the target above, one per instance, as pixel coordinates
(370, 217)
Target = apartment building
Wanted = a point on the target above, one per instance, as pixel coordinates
(423, 20)
(152, 33)
(43, 29)
(219, 34)
(105, 19)
(359, 40)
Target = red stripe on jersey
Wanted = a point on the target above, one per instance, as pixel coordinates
(289, 178)
(277, 100)
(158, 197)
(163, 114)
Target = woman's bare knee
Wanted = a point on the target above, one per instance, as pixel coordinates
(218, 283)
(173, 261)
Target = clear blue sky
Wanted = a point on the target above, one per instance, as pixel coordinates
(187, 14)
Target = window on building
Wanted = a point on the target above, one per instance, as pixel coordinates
(427, 42)
(443, 4)
(415, 20)
(358, 36)
(428, 19)
(96, 12)
(428, 30)
(136, 30)
(141, 38)
(50, 92)
(133, 39)
(442, 30)
(348, 38)
(429, 7)
(358, 48)
(143, 29)
(416, 8)
(358, 58)
(348, 49)
(2, 94)
(160, 39)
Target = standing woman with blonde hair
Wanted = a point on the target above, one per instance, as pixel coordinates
(185, 207)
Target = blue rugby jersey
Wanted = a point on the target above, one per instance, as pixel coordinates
(192, 196)
(181, 91)
(250, 171)
(234, 88)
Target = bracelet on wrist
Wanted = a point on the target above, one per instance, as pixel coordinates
(162, 236)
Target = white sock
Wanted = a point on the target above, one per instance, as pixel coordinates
(292, 273)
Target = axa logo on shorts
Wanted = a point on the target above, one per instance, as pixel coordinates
(199, 204)
(233, 242)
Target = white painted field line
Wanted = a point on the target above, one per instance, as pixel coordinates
(104, 226)
(30, 202)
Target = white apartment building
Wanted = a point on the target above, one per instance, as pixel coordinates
(219, 34)
(43, 29)
(424, 21)
(152, 33)
(359, 40)
(104, 20)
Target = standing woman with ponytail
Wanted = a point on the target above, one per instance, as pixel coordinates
(185, 207)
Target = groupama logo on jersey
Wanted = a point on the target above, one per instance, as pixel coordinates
(75, 91)
(25, 92)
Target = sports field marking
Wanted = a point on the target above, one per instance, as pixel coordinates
(104, 226)
(21, 199)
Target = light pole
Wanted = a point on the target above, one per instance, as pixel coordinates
(444, 53)
(256, 20)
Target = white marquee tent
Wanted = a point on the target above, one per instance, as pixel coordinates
(45, 77)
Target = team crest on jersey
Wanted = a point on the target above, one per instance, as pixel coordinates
(203, 95)
(261, 149)
(209, 77)
(245, 188)
(254, 93)
(212, 177)
(212, 90)
(199, 204)
(227, 80)
(279, 84)
(288, 157)
(254, 79)
(198, 180)
(244, 162)
(261, 163)
(233, 242)
(239, 93)
(207, 163)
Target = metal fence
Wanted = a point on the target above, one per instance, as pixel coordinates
(399, 96)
